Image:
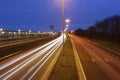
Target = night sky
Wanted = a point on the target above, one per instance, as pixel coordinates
(37, 15)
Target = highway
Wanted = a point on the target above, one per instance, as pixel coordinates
(17, 47)
(30, 65)
(97, 62)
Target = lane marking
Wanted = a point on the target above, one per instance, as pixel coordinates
(93, 59)
(10, 55)
(106, 60)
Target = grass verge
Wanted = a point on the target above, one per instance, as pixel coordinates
(65, 68)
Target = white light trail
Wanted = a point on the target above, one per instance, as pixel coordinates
(26, 54)
(12, 71)
(45, 58)
(24, 63)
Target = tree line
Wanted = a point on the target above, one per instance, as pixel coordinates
(107, 29)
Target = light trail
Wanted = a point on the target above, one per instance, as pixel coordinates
(27, 61)
(51, 53)
(53, 44)
(26, 54)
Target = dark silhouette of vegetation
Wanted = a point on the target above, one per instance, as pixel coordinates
(107, 29)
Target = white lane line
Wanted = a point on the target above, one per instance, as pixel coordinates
(25, 55)
(106, 59)
(31, 68)
(93, 59)
(21, 65)
(10, 55)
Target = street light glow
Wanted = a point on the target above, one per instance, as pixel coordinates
(1, 29)
(30, 31)
(19, 30)
(67, 21)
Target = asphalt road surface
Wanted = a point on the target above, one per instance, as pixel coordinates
(29, 65)
(98, 63)
(8, 50)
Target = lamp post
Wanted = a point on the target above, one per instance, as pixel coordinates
(19, 34)
(30, 33)
(62, 15)
(63, 25)
(1, 35)
(14, 35)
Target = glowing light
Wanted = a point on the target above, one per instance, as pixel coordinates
(1, 29)
(19, 30)
(67, 21)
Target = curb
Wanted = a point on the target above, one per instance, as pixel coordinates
(80, 71)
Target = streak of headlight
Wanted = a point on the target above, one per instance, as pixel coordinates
(26, 54)
(52, 51)
(44, 58)
(21, 65)
(31, 58)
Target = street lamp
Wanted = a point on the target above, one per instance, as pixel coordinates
(19, 32)
(3, 32)
(14, 35)
(1, 35)
(1, 29)
(38, 32)
(30, 33)
(62, 15)
(67, 21)
(63, 25)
